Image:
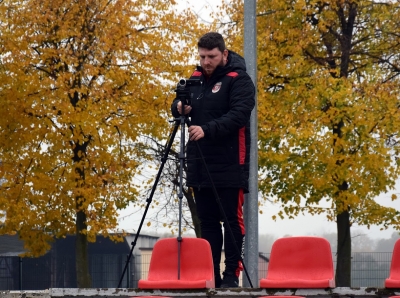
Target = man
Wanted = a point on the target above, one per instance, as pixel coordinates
(220, 111)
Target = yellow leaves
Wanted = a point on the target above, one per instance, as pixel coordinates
(324, 121)
(80, 87)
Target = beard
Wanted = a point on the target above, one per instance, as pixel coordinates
(208, 70)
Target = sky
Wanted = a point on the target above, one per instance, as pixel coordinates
(316, 225)
(302, 225)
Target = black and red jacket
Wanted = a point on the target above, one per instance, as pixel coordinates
(222, 106)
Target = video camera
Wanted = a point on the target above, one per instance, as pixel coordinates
(183, 89)
(189, 82)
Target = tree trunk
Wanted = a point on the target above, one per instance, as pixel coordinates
(82, 261)
(83, 278)
(343, 258)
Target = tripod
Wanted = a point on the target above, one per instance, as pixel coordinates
(183, 94)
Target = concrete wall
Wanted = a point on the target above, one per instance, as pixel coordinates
(226, 293)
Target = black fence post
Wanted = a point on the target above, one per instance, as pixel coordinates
(128, 272)
(20, 273)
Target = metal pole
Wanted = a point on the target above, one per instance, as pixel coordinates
(251, 199)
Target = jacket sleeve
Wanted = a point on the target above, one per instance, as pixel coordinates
(241, 103)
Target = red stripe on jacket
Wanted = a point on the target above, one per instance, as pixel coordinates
(196, 73)
(242, 145)
(232, 74)
(240, 211)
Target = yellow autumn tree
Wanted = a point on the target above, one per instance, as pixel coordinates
(82, 81)
(328, 107)
(329, 112)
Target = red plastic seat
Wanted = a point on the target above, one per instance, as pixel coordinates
(393, 281)
(196, 265)
(300, 262)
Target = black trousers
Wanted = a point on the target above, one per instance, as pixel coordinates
(208, 210)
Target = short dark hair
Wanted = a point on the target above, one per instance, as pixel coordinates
(212, 40)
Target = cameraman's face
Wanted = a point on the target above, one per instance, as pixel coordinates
(210, 59)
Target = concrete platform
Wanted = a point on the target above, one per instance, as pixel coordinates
(234, 293)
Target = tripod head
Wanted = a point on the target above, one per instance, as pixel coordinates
(183, 90)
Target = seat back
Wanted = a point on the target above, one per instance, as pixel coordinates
(195, 264)
(395, 263)
(394, 274)
(302, 261)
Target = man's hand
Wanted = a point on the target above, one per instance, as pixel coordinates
(195, 133)
(179, 108)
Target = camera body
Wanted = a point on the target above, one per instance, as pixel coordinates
(183, 89)
(189, 82)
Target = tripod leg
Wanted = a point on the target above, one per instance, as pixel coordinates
(180, 194)
(150, 198)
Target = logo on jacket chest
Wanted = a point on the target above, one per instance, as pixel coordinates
(216, 87)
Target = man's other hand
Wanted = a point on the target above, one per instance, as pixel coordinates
(195, 133)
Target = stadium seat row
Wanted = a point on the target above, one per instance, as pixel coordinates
(295, 262)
